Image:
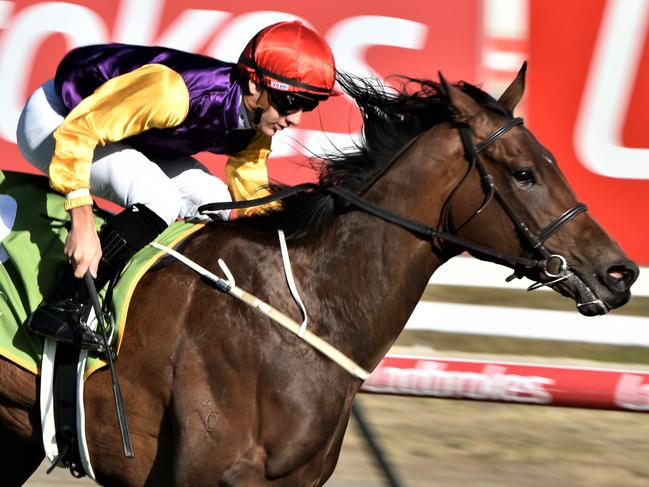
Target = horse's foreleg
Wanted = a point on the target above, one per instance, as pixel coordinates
(253, 474)
(244, 472)
(20, 452)
(18, 464)
(21, 447)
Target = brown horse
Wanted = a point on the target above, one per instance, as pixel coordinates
(217, 394)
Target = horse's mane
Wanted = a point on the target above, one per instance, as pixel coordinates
(391, 119)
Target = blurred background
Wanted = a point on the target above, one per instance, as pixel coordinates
(586, 100)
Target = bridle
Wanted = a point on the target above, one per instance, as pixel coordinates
(534, 243)
(472, 153)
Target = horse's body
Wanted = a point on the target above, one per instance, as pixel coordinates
(217, 394)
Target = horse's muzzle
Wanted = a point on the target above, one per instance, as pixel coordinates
(619, 277)
(610, 289)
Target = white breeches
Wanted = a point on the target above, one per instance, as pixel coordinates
(119, 173)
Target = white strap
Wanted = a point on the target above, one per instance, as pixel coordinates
(315, 341)
(227, 272)
(291, 281)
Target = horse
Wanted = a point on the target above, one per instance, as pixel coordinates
(218, 394)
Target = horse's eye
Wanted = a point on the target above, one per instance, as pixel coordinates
(525, 177)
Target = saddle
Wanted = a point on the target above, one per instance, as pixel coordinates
(33, 228)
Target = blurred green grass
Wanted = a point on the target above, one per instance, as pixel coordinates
(493, 345)
(515, 298)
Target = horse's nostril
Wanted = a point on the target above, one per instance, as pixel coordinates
(616, 275)
(621, 276)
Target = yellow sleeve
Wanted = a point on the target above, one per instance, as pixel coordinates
(247, 175)
(153, 96)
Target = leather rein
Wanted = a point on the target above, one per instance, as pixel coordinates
(535, 243)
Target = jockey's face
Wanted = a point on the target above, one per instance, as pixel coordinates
(271, 119)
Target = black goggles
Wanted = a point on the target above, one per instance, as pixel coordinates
(287, 102)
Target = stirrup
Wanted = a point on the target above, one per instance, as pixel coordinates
(78, 336)
(53, 322)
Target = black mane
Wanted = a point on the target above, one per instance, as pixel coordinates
(391, 119)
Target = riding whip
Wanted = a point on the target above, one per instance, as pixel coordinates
(117, 392)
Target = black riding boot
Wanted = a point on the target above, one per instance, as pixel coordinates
(62, 316)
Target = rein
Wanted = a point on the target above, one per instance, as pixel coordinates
(419, 229)
(413, 226)
(425, 231)
(472, 154)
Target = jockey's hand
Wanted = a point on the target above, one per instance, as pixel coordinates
(82, 246)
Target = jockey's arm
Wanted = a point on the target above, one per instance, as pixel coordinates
(153, 96)
(247, 175)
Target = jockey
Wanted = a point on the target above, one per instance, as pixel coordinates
(122, 122)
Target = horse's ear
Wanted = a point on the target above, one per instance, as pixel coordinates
(465, 108)
(514, 92)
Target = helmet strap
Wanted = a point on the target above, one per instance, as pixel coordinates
(263, 104)
(257, 115)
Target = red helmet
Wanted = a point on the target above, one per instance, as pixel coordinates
(289, 56)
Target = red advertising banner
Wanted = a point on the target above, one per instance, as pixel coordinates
(584, 101)
(588, 103)
(511, 382)
(380, 37)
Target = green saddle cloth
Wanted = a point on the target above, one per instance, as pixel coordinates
(32, 234)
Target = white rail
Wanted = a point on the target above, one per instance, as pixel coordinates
(532, 323)
(467, 271)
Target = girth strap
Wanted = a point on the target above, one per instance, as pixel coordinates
(65, 411)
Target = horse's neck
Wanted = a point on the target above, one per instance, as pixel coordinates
(371, 274)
